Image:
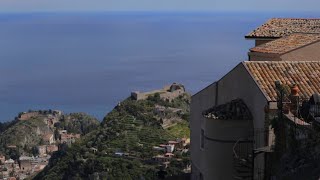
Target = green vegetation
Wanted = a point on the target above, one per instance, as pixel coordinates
(180, 130)
(6, 125)
(77, 123)
(26, 135)
(131, 128)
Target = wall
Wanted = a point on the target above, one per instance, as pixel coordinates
(138, 95)
(25, 165)
(165, 93)
(263, 41)
(220, 151)
(307, 53)
(201, 101)
(257, 56)
(171, 95)
(236, 84)
(28, 115)
(239, 84)
(2, 159)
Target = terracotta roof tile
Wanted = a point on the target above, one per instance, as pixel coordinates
(279, 27)
(233, 110)
(288, 43)
(306, 74)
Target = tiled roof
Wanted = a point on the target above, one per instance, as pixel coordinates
(287, 43)
(279, 27)
(306, 74)
(233, 110)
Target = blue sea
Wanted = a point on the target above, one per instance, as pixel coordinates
(88, 62)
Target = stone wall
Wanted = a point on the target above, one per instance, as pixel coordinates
(25, 165)
(167, 93)
(26, 116)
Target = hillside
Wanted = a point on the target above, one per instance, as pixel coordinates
(6, 125)
(77, 123)
(123, 147)
(24, 136)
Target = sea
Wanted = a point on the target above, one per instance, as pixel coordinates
(90, 61)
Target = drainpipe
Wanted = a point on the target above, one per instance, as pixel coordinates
(217, 93)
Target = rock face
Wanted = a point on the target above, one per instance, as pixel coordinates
(234, 110)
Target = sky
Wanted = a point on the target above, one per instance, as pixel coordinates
(157, 5)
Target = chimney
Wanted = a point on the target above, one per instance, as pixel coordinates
(294, 98)
(295, 90)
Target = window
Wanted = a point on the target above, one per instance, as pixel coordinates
(202, 139)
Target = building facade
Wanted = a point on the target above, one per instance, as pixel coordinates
(294, 47)
(252, 82)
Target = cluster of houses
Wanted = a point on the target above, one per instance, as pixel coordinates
(168, 151)
(23, 167)
(63, 137)
(228, 115)
(68, 138)
(28, 165)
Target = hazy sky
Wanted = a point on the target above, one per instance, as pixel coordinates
(158, 5)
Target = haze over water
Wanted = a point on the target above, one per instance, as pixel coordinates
(87, 62)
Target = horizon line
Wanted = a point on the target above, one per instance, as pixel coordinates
(155, 11)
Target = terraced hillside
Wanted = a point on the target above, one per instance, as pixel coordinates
(123, 146)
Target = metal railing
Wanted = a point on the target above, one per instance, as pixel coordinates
(245, 150)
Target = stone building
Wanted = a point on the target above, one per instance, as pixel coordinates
(2, 159)
(51, 148)
(69, 138)
(27, 115)
(25, 164)
(48, 138)
(166, 93)
(42, 150)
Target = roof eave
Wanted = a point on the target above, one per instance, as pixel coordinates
(300, 47)
(272, 54)
(265, 95)
(260, 37)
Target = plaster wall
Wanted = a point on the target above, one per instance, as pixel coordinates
(201, 101)
(259, 42)
(227, 132)
(236, 84)
(257, 56)
(307, 53)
